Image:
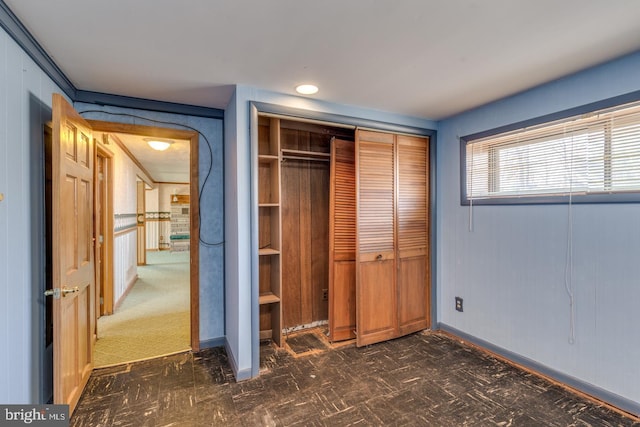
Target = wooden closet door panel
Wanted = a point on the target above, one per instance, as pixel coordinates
(342, 242)
(413, 234)
(376, 296)
(413, 295)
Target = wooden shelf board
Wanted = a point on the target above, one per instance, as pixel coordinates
(268, 205)
(268, 298)
(268, 251)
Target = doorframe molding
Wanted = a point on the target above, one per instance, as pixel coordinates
(194, 205)
(107, 214)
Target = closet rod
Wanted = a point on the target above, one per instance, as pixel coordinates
(304, 153)
(310, 159)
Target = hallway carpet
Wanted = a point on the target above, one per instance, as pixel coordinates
(425, 379)
(154, 318)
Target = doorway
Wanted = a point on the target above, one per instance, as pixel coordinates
(105, 187)
(160, 285)
(72, 160)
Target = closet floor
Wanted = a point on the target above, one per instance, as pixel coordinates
(305, 343)
(421, 379)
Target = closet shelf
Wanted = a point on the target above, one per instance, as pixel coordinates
(268, 205)
(268, 298)
(268, 251)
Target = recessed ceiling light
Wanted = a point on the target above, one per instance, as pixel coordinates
(159, 144)
(306, 89)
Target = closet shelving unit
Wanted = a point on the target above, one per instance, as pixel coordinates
(269, 226)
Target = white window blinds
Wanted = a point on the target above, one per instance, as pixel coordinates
(592, 153)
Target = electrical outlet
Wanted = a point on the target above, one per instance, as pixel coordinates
(325, 294)
(459, 304)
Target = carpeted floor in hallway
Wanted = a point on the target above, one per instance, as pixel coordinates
(153, 320)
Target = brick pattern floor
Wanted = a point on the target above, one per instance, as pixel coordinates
(425, 379)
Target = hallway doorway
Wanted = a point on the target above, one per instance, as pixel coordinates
(97, 157)
(154, 304)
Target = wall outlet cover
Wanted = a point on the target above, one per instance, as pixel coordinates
(459, 304)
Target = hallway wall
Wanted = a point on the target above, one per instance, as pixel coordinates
(125, 262)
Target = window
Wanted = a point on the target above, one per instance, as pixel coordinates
(593, 154)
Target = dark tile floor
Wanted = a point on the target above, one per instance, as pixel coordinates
(423, 379)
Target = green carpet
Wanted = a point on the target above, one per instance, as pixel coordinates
(153, 320)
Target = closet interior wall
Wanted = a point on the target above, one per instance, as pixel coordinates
(300, 260)
(305, 172)
(305, 222)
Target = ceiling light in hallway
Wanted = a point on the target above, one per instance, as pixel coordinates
(159, 144)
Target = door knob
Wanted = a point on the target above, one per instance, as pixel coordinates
(57, 292)
(379, 257)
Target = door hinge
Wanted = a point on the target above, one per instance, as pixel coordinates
(101, 239)
(100, 176)
(101, 301)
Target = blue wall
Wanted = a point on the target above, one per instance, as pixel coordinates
(510, 269)
(241, 258)
(25, 105)
(211, 207)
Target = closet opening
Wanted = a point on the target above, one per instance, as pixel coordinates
(293, 203)
(343, 231)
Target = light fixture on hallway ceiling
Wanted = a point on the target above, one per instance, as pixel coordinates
(159, 144)
(307, 89)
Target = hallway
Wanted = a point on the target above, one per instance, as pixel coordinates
(154, 318)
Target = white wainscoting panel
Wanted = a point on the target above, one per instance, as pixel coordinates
(125, 262)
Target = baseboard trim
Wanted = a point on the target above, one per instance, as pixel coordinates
(240, 375)
(623, 404)
(213, 343)
(125, 293)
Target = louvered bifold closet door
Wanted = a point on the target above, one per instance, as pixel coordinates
(376, 296)
(342, 242)
(413, 234)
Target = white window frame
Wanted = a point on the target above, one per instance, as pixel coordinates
(569, 156)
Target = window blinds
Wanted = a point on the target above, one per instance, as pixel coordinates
(592, 153)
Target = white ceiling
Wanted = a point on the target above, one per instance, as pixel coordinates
(426, 58)
(171, 165)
